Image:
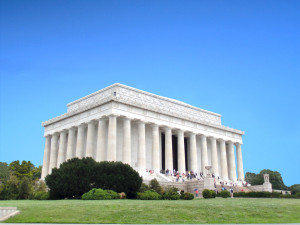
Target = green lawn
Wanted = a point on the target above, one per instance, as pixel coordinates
(136, 211)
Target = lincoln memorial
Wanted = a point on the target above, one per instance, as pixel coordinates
(147, 131)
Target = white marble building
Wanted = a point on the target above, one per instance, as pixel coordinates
(147, 131)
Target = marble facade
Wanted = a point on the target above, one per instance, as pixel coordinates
(147, 131)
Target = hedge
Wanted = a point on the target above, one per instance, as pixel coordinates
(262, 194)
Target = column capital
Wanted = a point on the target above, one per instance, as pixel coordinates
(72, 128)
(178, 131)
(229, 142)
(212, 138)
(56, 134)
(191, 134)
(167, 128)
(141, 122)
(102, 118)
(237, 144)
(82, 125)
(91, 122)
(64, 131)
(113, 115)
(202, 136)
(153, 125)
(220, 140)
(126, 118)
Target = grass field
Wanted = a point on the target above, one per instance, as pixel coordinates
(136, 211)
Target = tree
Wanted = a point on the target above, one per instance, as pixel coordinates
(295, 189)
(21, 170)
(77, 176)
(25, 188)
(72, 179)
(17, 180)
(4, 172)
(258, 179)
(36, 173)
(118, 177)
(10, 190)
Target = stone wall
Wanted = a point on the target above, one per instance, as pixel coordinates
(190, 186)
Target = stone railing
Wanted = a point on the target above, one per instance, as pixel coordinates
(7, 212)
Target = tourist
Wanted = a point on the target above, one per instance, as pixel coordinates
(196, 192)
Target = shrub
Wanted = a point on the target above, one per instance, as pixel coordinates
(77, 176)
(122, 195)
(188, 196)
(41, 195)
(297, 195)
(213, 194)
(156, 186)
(225, 194)
(171, 194)
(149, 195)
(144, 187)
(206, 193)
(100, 194)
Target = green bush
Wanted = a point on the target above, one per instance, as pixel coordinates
(213, 194)
(297, 195)
(149, 195)
(100, 194)
(156, 186)
(41, 195)
(144, 187)
(171, 194)
(206, 193)
(113, 194)
(225, 194)
(188, 196)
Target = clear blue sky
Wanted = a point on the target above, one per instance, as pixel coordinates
(237, 58)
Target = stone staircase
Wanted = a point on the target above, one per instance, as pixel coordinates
(235, 188)
(7, 212)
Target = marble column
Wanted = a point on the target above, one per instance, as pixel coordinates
(46, 157)
(112, 139)
(214, 156)
(71, 143)
(80, 141)
(101, 137)
(193, 153)
(126, 154)
(155, 148)
(53, 152)
(231, 162)
(204, 158)
(90, 141)
(180, 152)
(141, 156)
(239, 162)
(168, 149)
(62, 149)
(224, 171)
